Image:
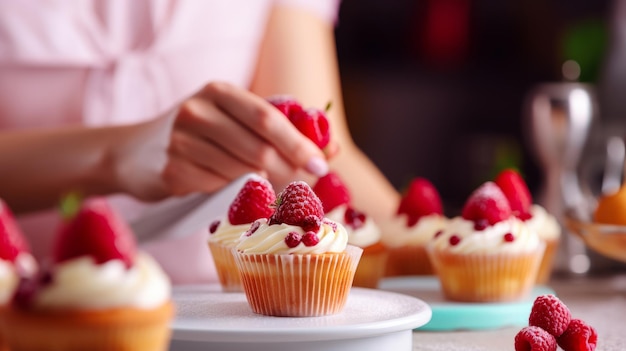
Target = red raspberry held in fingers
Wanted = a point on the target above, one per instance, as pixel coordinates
(313, 123)
(12, 240)
(533, 338)
(516, 191)
(550, 314)
(332, 191)
(298, 205)
(579, 336)
(487, 203)
(285, 104)
(420, 200)
(253, 201)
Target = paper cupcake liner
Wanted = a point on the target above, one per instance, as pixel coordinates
(298, 285)
(116, 329)
(3, 345)
(227, 270)
(408, 260)
(486, 278)
(371, 267)
(547, 262)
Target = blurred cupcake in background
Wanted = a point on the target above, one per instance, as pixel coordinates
(418, 219)
(361, 228)
(15, 262)
(535, 216)
(252, 202)
(487, 254)
(98, 293)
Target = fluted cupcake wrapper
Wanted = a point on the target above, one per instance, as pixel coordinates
(486, 277)
(371, 268)
(227, 270)
(127, 329)
(547, 262)
(298, 285)
(408, 260)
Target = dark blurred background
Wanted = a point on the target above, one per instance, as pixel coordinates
(435, 88)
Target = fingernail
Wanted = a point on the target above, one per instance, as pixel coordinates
(317, 166)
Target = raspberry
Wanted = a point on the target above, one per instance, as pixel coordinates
(551, 314)
(310, 239)
(420, 200)
(253, 228)
(285, 104)
(508, 237)
(354, 218)
(293, 239)
(313, 123)
(298, 205)
(332, 191)
(454, 240)
(579, 336)
(12, 240)
(516, 191)
(487, 203)
(213, 226)
(252, 202)
(533, 338)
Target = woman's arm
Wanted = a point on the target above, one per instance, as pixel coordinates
(298, 58)
(212, 138)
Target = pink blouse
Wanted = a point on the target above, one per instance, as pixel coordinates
(102, 62)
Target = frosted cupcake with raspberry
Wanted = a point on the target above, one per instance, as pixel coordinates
(534, 215)
(252, 202)
(15, 261)
(419, 217)
(486, 254)
(297, 263)
(362, 230)
(99, 293)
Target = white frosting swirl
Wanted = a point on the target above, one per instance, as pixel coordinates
(270, 239)
(228, 234)
(366, 235)
(545, 224)
(489, 240)
(9, 277)
(396, 233)
(81, 283)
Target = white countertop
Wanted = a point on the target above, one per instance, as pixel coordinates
(601, 302)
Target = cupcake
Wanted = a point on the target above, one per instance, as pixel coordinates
(419, 217)
(486, 254)
(15, 262)
(251, 203)
(536, 217)
(98, 292)
(297, 263)
(362, 230)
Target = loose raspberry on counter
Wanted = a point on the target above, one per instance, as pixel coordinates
(551, 314)
(579, 336)
(533, 338)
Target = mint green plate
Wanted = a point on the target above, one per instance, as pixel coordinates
(448, 315)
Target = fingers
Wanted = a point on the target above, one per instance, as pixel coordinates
(262, 119)
(213, 140)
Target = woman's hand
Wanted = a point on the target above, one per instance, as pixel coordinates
(212, 138)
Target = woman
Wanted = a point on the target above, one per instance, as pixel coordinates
(153, 99)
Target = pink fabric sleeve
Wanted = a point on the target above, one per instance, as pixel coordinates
(326, 9)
